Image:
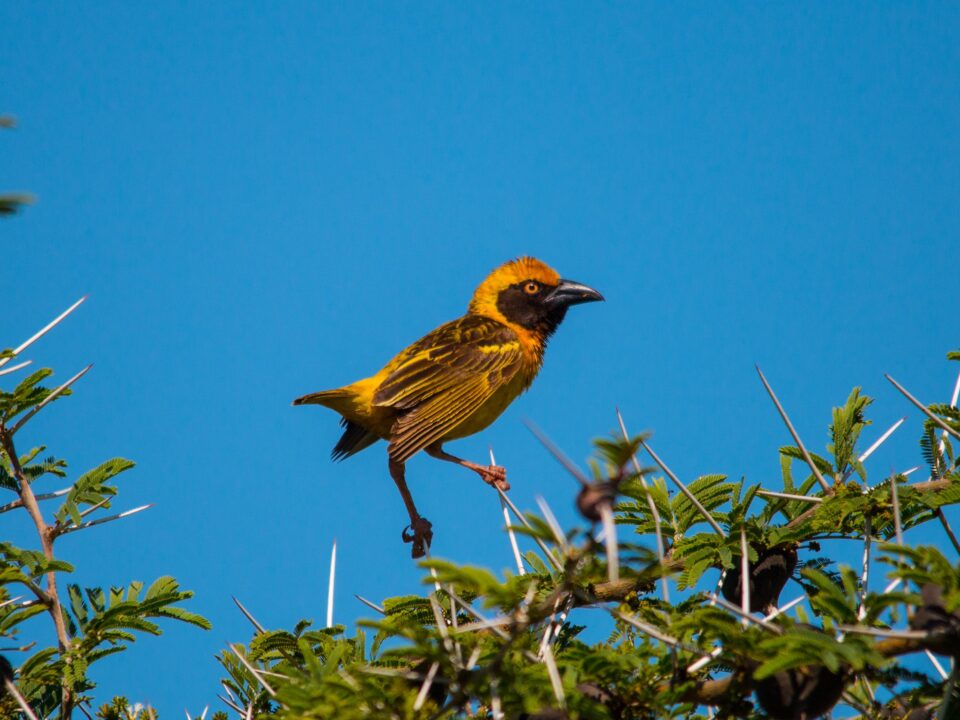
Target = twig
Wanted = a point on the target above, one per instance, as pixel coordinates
(923, 408)
(793, 432)
(53, 323)
(653, 509)
(333, 575)
(683, 488)
(510, 533)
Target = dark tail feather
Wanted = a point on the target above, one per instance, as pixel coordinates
(353, 440)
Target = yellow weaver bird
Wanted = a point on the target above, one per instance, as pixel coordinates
(456, 380)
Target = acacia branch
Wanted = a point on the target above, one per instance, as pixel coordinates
(50, 597)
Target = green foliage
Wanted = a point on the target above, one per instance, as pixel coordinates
(474, 645)
(89, 624)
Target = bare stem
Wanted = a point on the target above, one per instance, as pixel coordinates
(47, 537)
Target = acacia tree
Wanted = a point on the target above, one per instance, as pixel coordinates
(88, 623)
(689, 598)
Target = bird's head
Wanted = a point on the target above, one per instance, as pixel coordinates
(529, 294)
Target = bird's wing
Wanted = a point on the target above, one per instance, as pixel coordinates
(446, 377)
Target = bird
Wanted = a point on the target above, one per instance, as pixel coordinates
(456, 380)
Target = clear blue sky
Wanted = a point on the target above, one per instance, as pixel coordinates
(268, 199)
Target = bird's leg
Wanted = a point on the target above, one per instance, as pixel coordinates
(491, 474)
(421, 531)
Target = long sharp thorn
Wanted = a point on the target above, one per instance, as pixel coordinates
(610, 541)
(53, 323)
(653, 508)
(49, 399)
(953, 403)
(793, 432)
(946, 526)
(100, 521)
(744, 575)
(879, 441)
(253, 670)
(16, 367)
(646, 628)
(683, 488)
(937, 665)
(883, 632)
(246, 613)
(232, 705)
(790, 496)
(749, 618)
(702, 662)
(333, 575)
(15, 693)
(895, 499)
(558, 453)
(425, 688)
(923, 408)
(510, 533)
(546, 551)
(551, 521)
(554, 674)
(371, 605)
(865, 577)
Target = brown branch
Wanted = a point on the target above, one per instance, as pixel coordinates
(45, 532)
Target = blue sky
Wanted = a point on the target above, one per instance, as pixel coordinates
(264, 200)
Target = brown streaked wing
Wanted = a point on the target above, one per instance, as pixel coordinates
(447, 376)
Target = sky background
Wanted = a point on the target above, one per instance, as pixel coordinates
(264, 200)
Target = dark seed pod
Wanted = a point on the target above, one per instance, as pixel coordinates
(932, 618)
(768, 575)
(6, 673)
(593, 496)
(801, 693)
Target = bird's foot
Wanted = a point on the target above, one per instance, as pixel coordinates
(496, 476)
(420, 533)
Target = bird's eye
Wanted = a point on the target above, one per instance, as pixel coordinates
(531, 288)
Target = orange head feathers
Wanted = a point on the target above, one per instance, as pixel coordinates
(528, 296)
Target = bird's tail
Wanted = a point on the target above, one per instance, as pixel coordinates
(344, 401)
(340, 399)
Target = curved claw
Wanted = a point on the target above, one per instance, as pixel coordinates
(420, 533)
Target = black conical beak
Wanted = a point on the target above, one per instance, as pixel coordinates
(570, 292)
